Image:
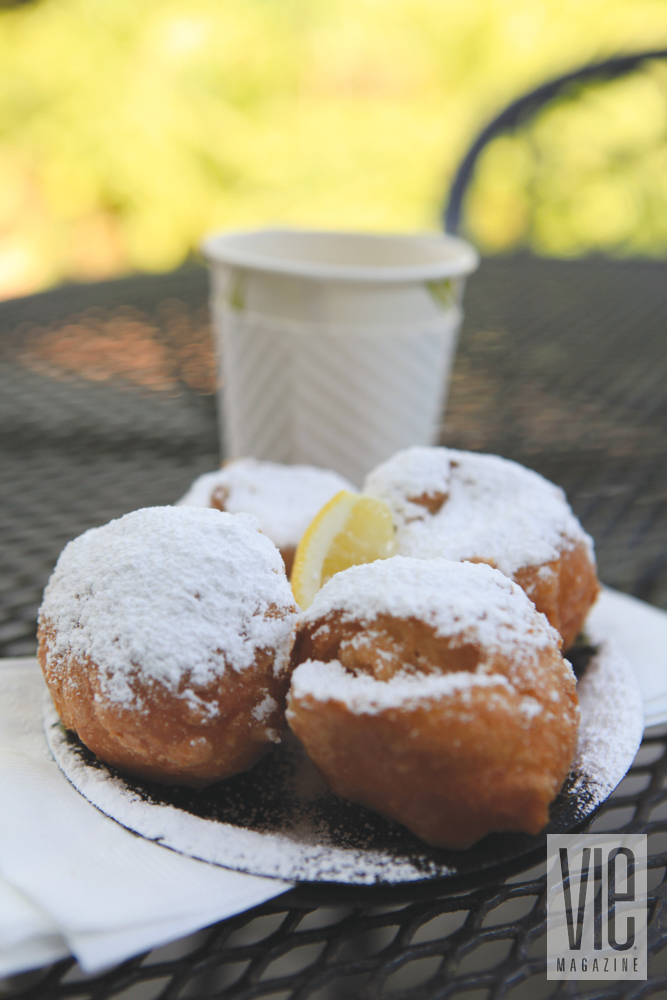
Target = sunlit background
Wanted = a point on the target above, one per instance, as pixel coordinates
(129, 129)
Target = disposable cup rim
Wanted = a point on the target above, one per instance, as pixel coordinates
(458, 259)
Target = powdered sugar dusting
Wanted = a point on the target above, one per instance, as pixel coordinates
(170, 593)
(492, 509)
(530, 707)
(455, 599)
(263, 711)
(304, 848)
(364, 695)
(610, 700)
(283, 498)
(307, 847)
(265, 707)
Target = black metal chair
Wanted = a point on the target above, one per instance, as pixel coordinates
(522, 110)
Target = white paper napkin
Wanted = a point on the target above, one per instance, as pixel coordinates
(72, 880)
(27, 936)
(640, 632)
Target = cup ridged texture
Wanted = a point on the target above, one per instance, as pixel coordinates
(344, 397)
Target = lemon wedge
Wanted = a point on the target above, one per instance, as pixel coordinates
(349, 530)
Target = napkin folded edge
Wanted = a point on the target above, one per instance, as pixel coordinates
(33, 953)
(640, 632)
(33, 940)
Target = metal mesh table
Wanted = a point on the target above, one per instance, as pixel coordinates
(106, 405)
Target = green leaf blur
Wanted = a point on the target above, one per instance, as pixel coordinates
(130, 129)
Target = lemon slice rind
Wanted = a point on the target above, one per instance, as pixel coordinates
(350, 529)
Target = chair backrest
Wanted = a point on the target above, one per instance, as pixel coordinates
(523, 109)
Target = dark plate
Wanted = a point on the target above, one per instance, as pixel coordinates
(280, 820)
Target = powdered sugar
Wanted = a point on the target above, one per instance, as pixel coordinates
(609, 698)
(284, 498)
(318, 842)
(265, 707)
(530, 707)
(469, 600)
(175, 594)
(492, 509)
(262, 711)
(364, 695)
(304, 847)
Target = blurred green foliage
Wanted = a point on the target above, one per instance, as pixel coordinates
(128, 130)
(589, 174)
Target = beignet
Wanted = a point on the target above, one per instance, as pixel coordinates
(482, 508)
(433, 692)
(164, 639)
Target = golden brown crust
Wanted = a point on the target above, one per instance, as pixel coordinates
(219, 498)
(482, 508)
(564, 590)
(475, 761)
(288, 552)
(170, 739)
(381, 648)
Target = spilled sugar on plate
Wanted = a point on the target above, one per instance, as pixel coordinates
(279, 820)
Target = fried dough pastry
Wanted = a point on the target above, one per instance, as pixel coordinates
(483, 508)
(283, 498)
(433, 692)
(164, 639)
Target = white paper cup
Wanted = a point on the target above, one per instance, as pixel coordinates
(334, 348)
